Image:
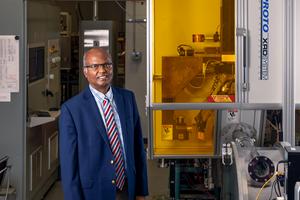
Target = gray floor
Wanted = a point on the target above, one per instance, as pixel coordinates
(158, 184)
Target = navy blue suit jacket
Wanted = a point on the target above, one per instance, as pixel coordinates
(85, 154)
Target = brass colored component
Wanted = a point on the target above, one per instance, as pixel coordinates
(198, 37)
(228, 58)
(178, 72)
(181, 131)
(157, 77)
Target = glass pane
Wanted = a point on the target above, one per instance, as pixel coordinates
(184, 132)
(194, 58)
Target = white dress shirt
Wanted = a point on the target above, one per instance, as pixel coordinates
(99, 97)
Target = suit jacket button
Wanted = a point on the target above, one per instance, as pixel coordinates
(113, 182)
(112, 162)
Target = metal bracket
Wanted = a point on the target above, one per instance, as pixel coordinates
(136, 20)
(227, 154)
(241, 32)
(245, 86)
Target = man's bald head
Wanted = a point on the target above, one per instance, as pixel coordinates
(94, 55)
(98, 69)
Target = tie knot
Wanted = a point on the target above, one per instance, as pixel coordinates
(105, 100)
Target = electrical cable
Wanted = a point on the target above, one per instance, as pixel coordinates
(275, 189)
(182, 48)
(77, 8)
(280, 162)
(278, 187)
(272, 187)
(278, 182)
(264, 185)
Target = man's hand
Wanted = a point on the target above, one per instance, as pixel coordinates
(140, 198)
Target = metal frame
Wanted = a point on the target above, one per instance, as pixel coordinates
(288, 84)
(217, 106)
(241, 40)
(148, 79)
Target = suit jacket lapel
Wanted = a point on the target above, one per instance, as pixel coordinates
(92, 108)
(119, 100)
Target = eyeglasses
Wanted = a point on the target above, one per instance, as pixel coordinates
(95, 67)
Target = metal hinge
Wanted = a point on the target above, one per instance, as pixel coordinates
(245, 86)
(241, 32)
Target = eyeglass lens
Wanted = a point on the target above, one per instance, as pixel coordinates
(104, 65)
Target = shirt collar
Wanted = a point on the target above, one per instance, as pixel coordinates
(100, 96)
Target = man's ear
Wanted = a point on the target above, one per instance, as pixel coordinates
(85, 72)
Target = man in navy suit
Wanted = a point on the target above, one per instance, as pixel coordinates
(90, 168)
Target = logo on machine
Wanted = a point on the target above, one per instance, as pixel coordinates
(264, 46)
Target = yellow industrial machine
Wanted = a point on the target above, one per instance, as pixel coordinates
(189, 67)
(209, 66)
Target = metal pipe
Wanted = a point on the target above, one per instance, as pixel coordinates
(95, 18)
(288, 110)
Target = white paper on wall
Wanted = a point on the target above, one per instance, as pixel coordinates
(9, 63)
(4, 96)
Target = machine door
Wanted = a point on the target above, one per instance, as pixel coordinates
(192, 50)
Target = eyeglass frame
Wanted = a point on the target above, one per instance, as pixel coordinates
(95, 67)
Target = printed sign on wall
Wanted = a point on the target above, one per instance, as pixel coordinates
(264, 40)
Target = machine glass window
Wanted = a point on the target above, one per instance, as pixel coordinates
(194, 56)
(273, 133)
(184, 132)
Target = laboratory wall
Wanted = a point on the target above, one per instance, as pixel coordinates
(136, 69)
(12, 113)
(83, 10)
(44, 26)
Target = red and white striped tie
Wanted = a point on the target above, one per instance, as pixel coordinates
(115, 143)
